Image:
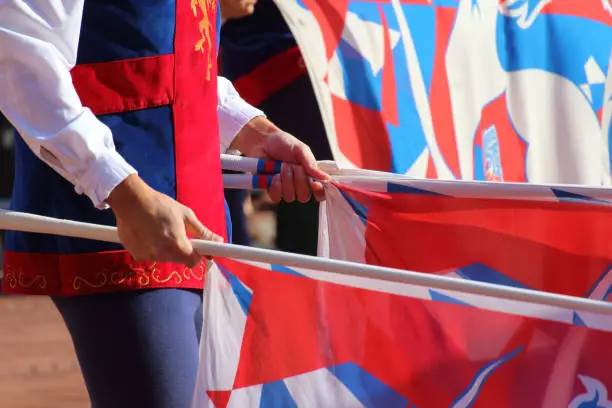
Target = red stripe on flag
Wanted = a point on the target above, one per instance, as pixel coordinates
(119, 86)
(441, 108)
(330, 14)
(519, 239)
(592, 10)
(362, 135)
(220, 399)
(428, 351)
(389, 87)
(432, 172)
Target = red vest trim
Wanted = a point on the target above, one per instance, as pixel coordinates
(144, 83)
(82, 274)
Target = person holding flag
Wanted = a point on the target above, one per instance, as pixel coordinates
(121, 120)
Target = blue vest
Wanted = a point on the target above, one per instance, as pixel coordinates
(148, 69)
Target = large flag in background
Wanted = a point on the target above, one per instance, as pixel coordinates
(500, 90)
(281, 337)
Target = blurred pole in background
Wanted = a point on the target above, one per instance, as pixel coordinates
(7, 159)
(7, 167)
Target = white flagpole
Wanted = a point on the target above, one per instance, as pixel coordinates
(252, 165)
(246, 181)
(247, 164)
(374, 180)
(483, 189)
(11, 220)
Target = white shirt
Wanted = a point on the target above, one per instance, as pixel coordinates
(38, 48)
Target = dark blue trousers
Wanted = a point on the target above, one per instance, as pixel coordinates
(136, 349)
(139, 348)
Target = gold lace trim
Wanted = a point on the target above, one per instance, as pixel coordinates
(136, 276)
(142, 277)
(16, 278)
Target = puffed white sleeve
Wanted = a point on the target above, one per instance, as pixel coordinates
(233, 112)
(38, 47)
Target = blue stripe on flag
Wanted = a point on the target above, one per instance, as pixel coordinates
(577, 320)
(481, 273)
(405, 151)
(400, 188)
(284, 269)
(480, 378)
(566, 196)
(366, 11)
(437, 296)
(479, 173)
(276, 395)
(367, 91)
(421, 20)
(359, 208)
(369, 390)
(243, 295)
(449, 3)
(598, 282)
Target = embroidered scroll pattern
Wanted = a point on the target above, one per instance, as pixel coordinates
(206, 8)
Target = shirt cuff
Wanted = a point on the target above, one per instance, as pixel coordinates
(102, 176)
(233, 115)
(85, 154)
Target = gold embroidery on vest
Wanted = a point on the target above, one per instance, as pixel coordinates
(142, 277)
(207, 8)
(16, 278)
(79, 282)
(174, 274)
(202, 269)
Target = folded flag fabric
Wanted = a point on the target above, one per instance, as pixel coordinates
(286, 337)
(552, 239)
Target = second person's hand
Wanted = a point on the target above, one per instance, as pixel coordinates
(300, 176)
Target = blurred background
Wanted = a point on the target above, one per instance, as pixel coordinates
(7, 161)
(39, 368)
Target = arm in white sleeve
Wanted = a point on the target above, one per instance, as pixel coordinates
(233, 111)
(38, 47)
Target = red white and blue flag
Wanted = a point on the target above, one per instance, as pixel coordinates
(485, 90)
(279, 337)
(286, 337)
(498, 90)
